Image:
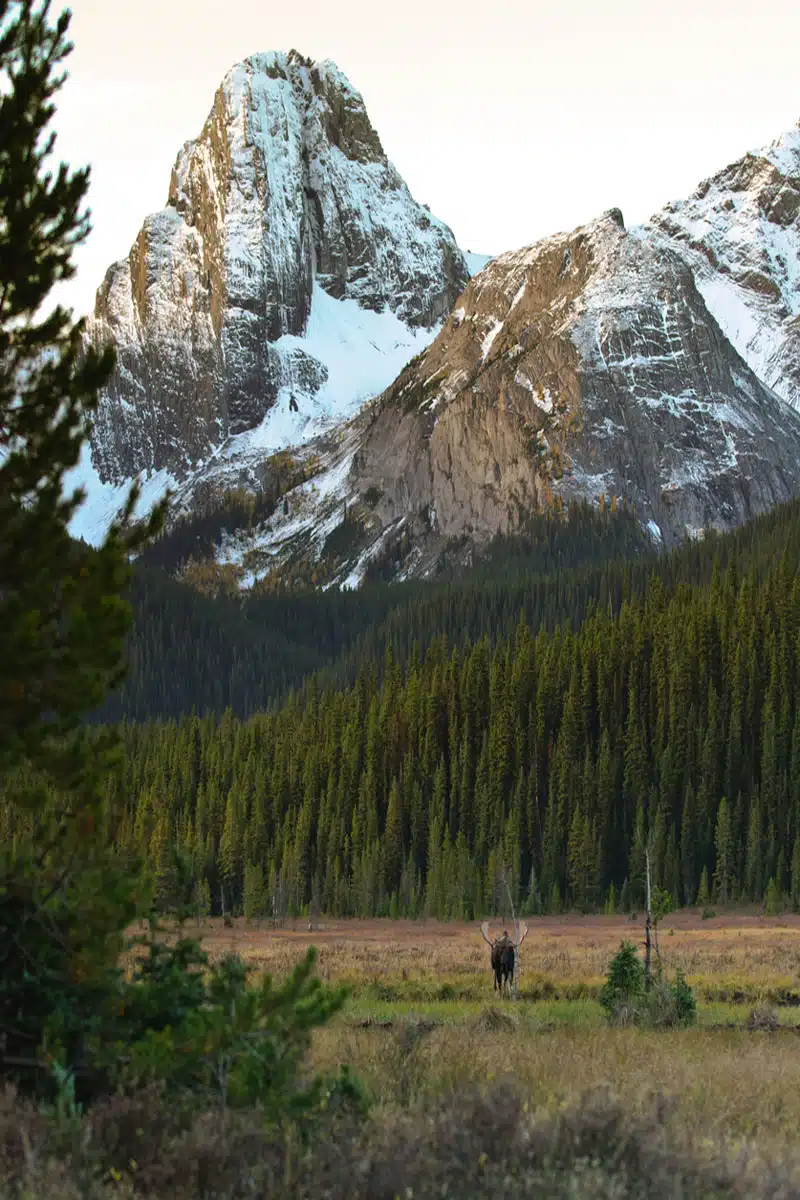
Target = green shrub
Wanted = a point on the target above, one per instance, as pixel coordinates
(219, 1040)
(685, 1002)
(624, 986)
(623, 996)
(669, 1004)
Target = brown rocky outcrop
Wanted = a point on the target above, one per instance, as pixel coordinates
(587, 365)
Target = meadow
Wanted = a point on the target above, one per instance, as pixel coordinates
(473, 1095)
(422, 1020)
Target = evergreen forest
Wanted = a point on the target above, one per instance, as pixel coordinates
(515, 728)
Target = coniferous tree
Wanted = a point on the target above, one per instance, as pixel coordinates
(703, 893)
(64, 901)
(795, 892)
(723, 871)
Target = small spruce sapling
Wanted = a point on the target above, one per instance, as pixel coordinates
(773, 902)
(624, 986)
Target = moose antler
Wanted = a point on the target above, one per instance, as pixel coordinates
(485, 932)
(524, 929)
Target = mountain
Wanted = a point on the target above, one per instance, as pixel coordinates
(585, 366)
(740, 233)
(290, 276)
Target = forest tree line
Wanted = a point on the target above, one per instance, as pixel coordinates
(190, 651)
(558, 756)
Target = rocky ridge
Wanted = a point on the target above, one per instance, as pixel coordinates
(289, 277)
(587, 365)
(740, 233)
(656, 366)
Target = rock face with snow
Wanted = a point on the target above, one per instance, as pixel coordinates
(587, 365)
(740, 233)
(292, 276)
(291, 273)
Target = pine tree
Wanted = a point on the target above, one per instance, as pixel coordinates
(254, 902)
(202, 900)
(796, 874)
(703, 894)
(393, 840)
(582, 858)
(772, 899)
(754, 854)
(723, 872)
(64, 901)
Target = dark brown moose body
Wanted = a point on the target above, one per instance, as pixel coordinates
(503, 956)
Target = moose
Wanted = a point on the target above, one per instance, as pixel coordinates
(502, 948)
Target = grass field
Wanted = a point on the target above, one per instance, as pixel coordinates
(422, 1019)
(729, 959)
(470, 1094)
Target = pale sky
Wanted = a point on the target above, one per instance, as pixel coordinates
(510, 120)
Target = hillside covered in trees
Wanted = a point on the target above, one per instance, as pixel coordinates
(652, 703)
(193, 651)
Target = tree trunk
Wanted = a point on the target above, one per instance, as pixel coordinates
(648, 925)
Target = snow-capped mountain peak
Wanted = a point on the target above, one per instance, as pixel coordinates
(740, 233)
(290, 275)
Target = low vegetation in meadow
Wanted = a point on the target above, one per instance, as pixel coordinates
(733, 958)
(480, 1143)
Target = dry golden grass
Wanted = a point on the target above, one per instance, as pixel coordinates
(733, 957)
(730, 1083)
(423, 1020)
(727, 1080)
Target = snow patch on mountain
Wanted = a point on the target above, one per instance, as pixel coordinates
(489, 338)
(363, 352)
(104, 501)
(476, 262)
(740, 233)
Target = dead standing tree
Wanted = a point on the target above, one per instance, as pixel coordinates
(648, 923)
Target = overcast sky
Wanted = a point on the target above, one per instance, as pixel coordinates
(511, 120)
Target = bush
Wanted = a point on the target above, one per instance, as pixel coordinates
(670, 1004)
(623, 996)
(214, 1039)
(685, 1003)
(763, 1020)
(475, 1145)
(623, 990)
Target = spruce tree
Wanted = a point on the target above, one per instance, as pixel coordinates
(795, 883)
(723, 872)
(64, 901)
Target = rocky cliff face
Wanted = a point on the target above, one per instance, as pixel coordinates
(740, 233)
(290, 276)
(587, 365)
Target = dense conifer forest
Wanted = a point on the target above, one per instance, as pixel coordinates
(548, 727)
(190, 651)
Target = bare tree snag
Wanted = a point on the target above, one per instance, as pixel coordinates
(648, 925)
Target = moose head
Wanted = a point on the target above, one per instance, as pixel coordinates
(502, 948)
